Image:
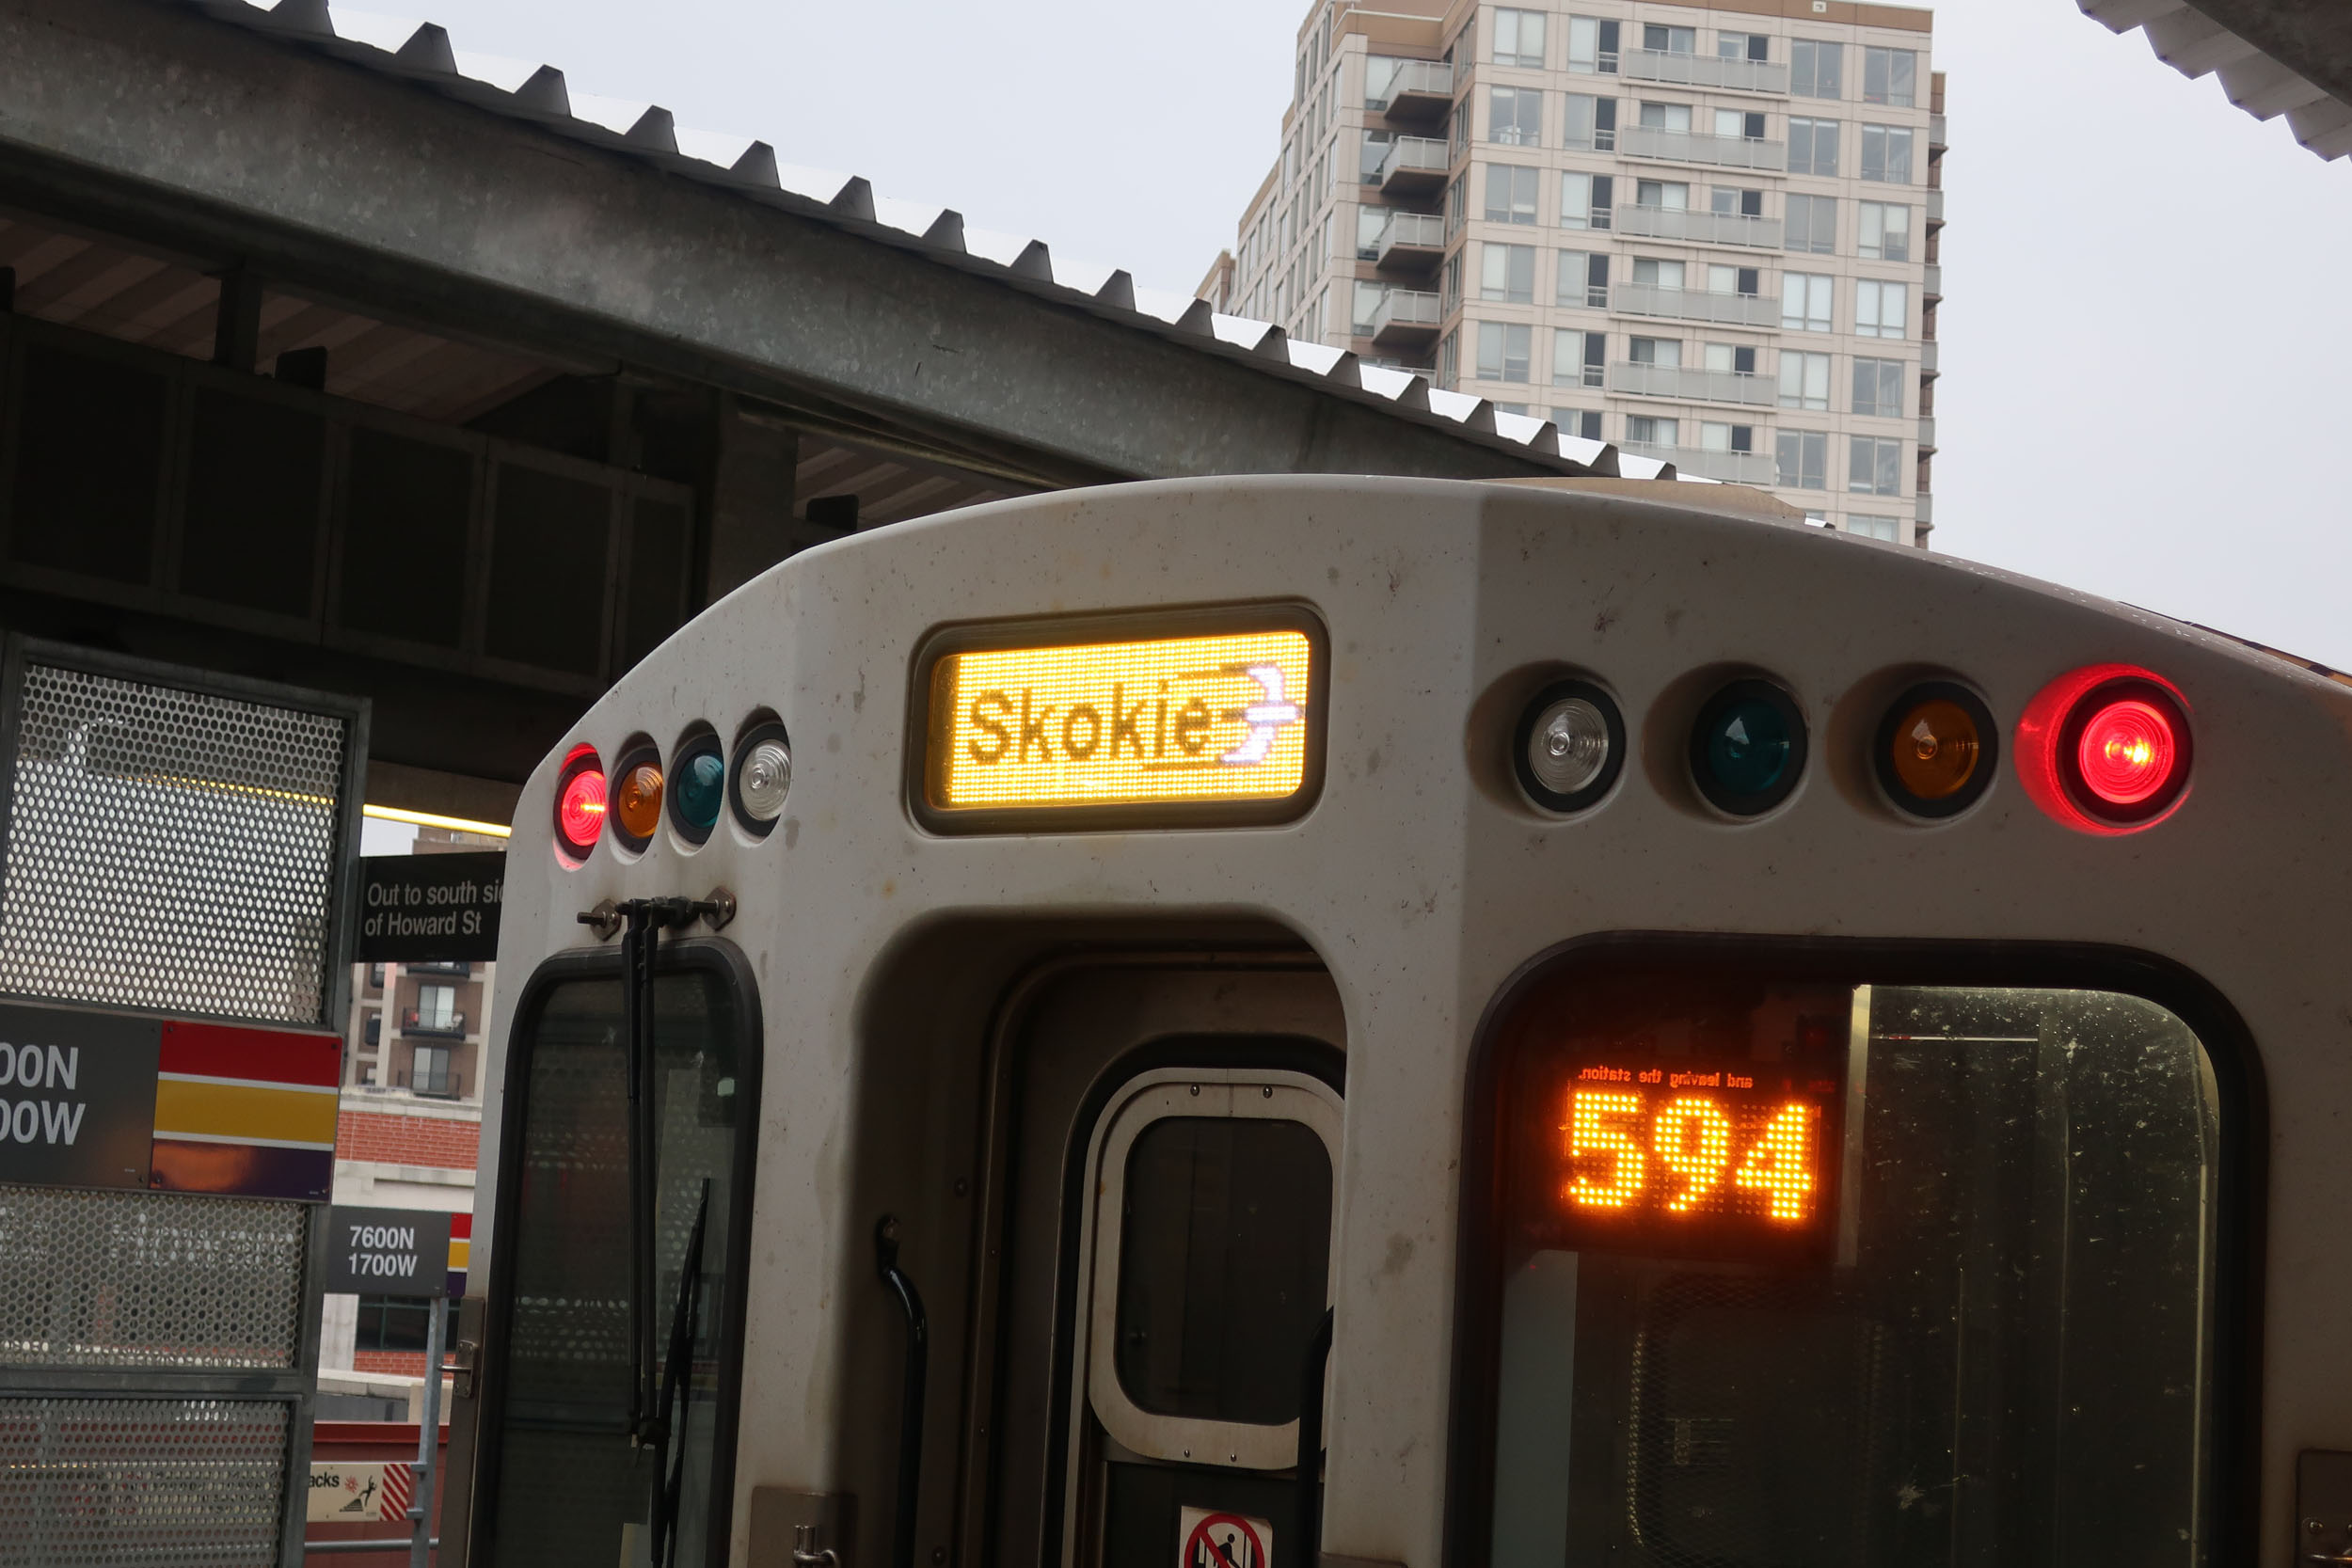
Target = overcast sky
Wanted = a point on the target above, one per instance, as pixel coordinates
(2145, 386)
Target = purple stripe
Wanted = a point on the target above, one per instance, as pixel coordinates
(242, 1170)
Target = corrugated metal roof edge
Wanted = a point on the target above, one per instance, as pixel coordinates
(428, 58)
(2195, 45)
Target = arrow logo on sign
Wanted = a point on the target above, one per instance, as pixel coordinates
(1266, 719)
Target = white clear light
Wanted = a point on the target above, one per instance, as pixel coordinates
(1568, 745)
(765, 781)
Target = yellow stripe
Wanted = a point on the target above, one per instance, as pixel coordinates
(236, 1110)
(429, 819)
(460, 1248)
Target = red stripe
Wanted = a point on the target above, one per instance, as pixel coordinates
(461, 1227)
(270, 1055)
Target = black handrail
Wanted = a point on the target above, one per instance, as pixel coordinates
(911, 1389)
(1310, 1439)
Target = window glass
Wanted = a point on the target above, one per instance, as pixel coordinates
(567, 1477)
(1515, 117)
(1504, 351)
(1805, 301)
(1669, 40)
(1657, 274)
(1671, 194)
(1888, 77)
(1812, 224)
(1582, 423)
(1816, 70)
(1885, 232)
(1222, 1256)
(1886, 153)
(1592, 46)
(1812, 146)
(1876, 528)
(1519, 39)
(1803, 380)
(1584, 279)
(1876, 467)
(1881, 310)
(1584, 200)
(1510, 194)
(1878, 387)
(1801, 456)
(1577, 360)
(1507, 273)
(1666, 117)
(1590, 123)
(1647, 430)
(1983, 1334)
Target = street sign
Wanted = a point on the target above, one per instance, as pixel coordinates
(386, 1252)
(421, 909)
(77, 1096)
(1213, 1539)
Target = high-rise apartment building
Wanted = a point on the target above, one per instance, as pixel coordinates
(1704, 232)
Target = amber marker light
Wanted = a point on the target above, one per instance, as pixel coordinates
(637, 802)
(2107, 749)
(1936, 750)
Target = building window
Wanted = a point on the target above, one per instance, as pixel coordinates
(1368, 297)
(1732, 201)
(1647, 430)
(1888, 77)
(1519, 408)
(1817, 69)
(1812, 224)
(429, 1072)
(1510, 194)
(1672, 196)
(1585, 200)
(1739, 125)
(1670, 41)
(1657, 351)
(375, 976)
(1504, 351)
(437, 1007)
(1452, 286)
(1742, 46)
(1449, 359)
(1380, 77)
(1376, 153)
(1803, 380)
(1515, 117)
(1507, 273)
(1885, 232)
(1370, 221)
(1590, 123)
(1582, 423)
(1878, 387)
(1666, 117)
(1881, 310)
(1802, 458)
(1805, 301)
(1456, 205)
(1875, 528)
(1876, 467)
(1592, 46)
(1886, 153)
(1812, 146)
(1726, 438)
(1657, 274)
(1520, 39)
(1583, 281)
(1724, 280)
(1577, 360)
(398, 1324)
(1731, 358)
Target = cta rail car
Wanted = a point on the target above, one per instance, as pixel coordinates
(1308, 1021)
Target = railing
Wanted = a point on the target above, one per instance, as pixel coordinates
(1925, 513)
(439, 966)
(1413, 156)
(1681, 223)
(1927, 357)
(1648, 299)
(1931, 282)
(1686, 147)
(1936, 132)
(440, 1084)
(413, 1023)
(1421, 80)
(1409, 231)
(1639, 379)
(1405, 310)
(1927, 434)
(1732, 468)
(1705, 71)
(1935, 207)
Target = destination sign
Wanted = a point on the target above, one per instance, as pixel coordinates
(1222, 725)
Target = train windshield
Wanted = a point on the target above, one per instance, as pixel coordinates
(571, 1476)
(1822, 1274)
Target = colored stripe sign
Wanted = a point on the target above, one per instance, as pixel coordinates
(246, 1111)
(460, 1252)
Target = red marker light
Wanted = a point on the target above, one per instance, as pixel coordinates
(2105, 749)
(580, 805)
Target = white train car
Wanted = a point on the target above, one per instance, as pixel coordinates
(1286, 1021)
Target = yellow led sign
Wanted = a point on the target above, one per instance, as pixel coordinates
(1174, 721)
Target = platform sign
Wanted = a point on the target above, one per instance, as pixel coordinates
(426, 909)
(77, 1097)
(360, 1492)
(1215, 1539)
(386, 1252)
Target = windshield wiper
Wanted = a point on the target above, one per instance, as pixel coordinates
(669, 1476)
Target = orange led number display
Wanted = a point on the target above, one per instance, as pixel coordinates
(1725, 1152)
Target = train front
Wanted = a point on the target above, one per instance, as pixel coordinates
(1424, 1023)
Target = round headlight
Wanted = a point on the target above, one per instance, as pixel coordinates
(762, 778)
(1568, 745)
(1748, 748)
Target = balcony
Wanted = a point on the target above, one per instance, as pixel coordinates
(1705, 71)
(449, 1024)
(1415, 166)
(1936, 132)
(1405, 316)
(1409, 242)
(1935, 207)
(1931, 282)
(1927, 360)
(1685, 147)
(1926, 512)
(1691, 384)
(438, 1083)
(1927, 436)
(1648, 299)
(1422, 90)
(1681, 223)
(1732, 468)
(438, 967)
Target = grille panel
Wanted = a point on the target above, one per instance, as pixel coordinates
(149, 1279)
(134, 1483)
(170, 850)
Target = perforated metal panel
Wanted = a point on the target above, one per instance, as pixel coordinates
(113, 1482)
(148, 1279)
(170, 850)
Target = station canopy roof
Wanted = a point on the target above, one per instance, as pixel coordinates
(2291, 58)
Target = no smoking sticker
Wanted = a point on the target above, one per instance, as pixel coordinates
(1213, 1538)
